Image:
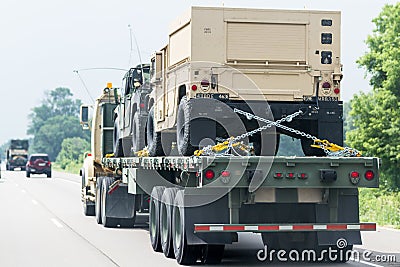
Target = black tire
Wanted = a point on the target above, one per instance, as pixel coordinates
(184, 254)
(99, 184)
(28, 174)
(49, 174)
(212, 254)
(117, 141)
(153, 138)
(183, 129)
(88, 208)
(108, 222)
(138, 139)
(154, 217)
(167, 202)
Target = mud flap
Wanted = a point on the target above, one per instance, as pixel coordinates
(120, 204)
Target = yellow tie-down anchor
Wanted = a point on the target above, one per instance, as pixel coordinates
(336, 149)
(223, 147)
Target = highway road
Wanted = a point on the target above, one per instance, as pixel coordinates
(42, 224)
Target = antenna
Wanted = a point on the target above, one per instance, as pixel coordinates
(83, 82)
(137, 46)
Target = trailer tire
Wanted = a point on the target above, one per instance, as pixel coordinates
(138, 134)
(99, 184)
(184, 254)
(166, 208)
(154, 218)
(212, 254)
(88, 208)
(153, 138)
(108, 222)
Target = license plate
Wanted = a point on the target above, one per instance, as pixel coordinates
(214, 96)
(42, 164)
(33, 170)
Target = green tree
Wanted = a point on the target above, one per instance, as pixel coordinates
(58, 102)
(72, 151)
(376, 115)
(55, 120)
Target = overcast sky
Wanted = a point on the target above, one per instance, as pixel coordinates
(43, 41)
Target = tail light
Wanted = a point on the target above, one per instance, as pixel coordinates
(369, 175)
(210, 174)
(326, 85)
(225, 174)
(354, 175)
(49, 163)
(205, 83)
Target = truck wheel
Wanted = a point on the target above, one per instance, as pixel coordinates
(155, 200)
(138, 134)
(183, 129)
(154, 145)
(99, 184)
(117, 142)
(108, 222)
(167, 202)
(88, 208)
(212, 254)
(184, 254)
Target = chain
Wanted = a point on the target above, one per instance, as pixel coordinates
(228, 145)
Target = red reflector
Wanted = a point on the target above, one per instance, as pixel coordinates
(369, 175)
(201, 228)
(225, 174)
(371, 227)
(326, 85)
(210, 174)
(303, 176)
(268, 228)
(354, 174)
(89, 155)
(233, 228)
(336, 227)
(336, 91)
(194, 87)
(290, 175)
(278, 175)
(205, 83)
(302, 227)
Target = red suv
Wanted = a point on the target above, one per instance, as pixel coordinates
(38, 164)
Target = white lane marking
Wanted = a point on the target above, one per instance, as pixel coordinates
(370, 264)
(57, 223)
(23, 191)
(35, 202)
(16, 185)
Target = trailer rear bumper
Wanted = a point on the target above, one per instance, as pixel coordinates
(261, 228)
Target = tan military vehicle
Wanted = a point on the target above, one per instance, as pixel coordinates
(267, 62)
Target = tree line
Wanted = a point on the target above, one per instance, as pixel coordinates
(55, 128)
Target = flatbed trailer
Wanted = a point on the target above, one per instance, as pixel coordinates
(199, 204)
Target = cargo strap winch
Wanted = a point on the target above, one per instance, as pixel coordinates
(226, 146)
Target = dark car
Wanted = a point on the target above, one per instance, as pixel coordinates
(38, 164)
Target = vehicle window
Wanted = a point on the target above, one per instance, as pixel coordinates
(44, 158)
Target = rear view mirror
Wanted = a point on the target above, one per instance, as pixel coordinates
(84, 117)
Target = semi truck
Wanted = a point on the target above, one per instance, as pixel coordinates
(200, 201)
(17, 154)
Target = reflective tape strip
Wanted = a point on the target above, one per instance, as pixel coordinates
(284, 228)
